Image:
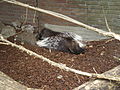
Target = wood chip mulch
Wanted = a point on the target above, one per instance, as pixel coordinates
(35, 73)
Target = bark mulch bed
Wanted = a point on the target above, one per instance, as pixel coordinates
(32, 72)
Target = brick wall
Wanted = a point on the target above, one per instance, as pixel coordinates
(86, 11)
(11, 12)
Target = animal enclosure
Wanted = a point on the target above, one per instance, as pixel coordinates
(45, 69)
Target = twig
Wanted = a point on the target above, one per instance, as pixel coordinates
(109, 40)
(34, 18)
(60, 65)
(77, 78)
(4, 43)
(107, 25)
(95, 70)
(116, 58)
(26, 15)
(106, 22)
(58, 15)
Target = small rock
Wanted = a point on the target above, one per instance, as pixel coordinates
(28, 28)
(22, 43)
(1, 26)
(102, 53)
(8, 31)
(26, 37)
(60, 76)
(91, 46)
(16, 24)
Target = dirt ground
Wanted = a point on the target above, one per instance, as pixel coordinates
(99, 57)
